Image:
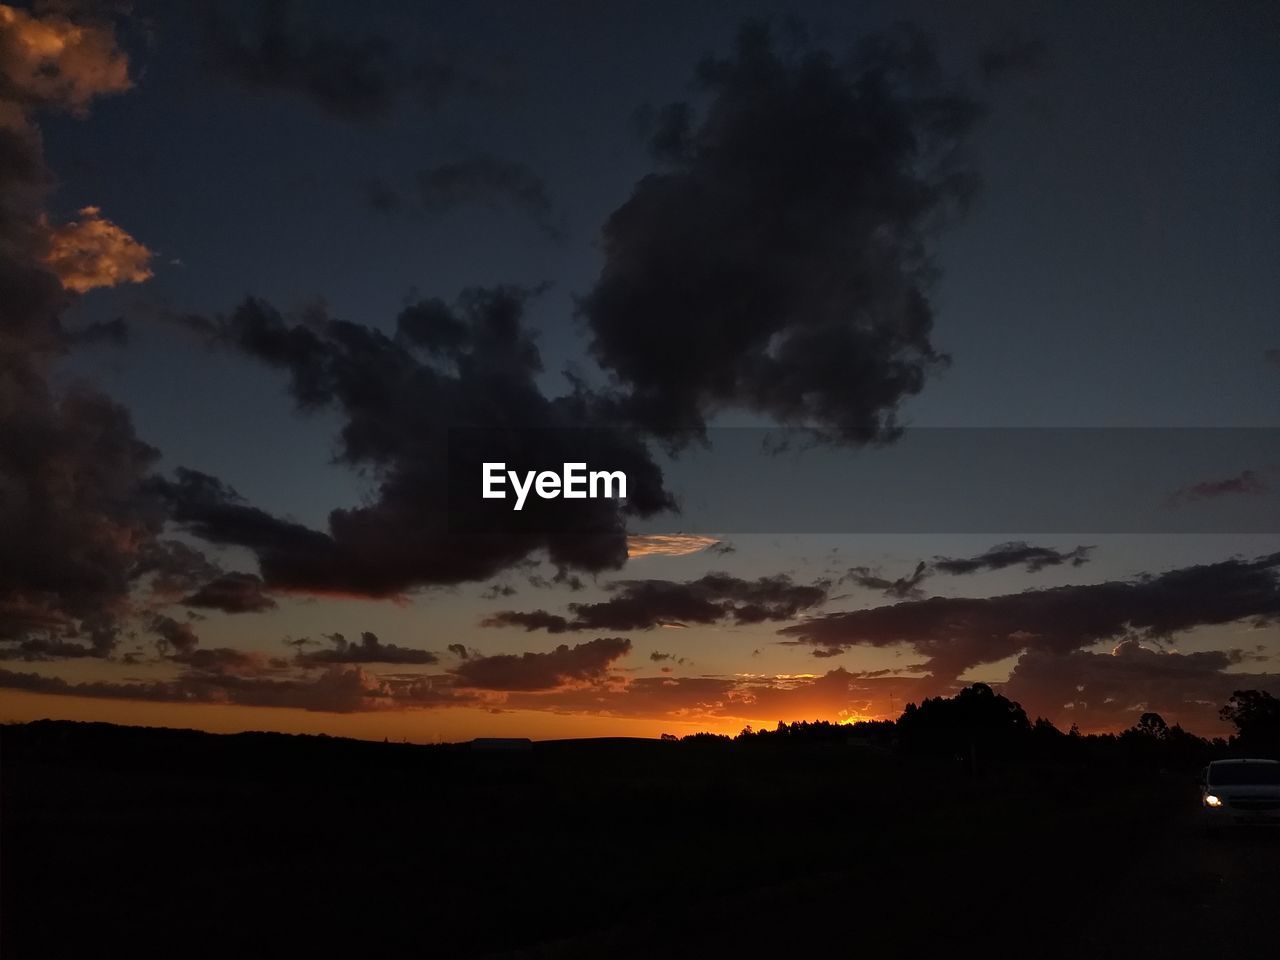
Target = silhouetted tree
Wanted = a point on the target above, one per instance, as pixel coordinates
(705, 738)
(1256, 716)
(974, 725)
(1152, 725)
(879, 733)
(1151, 742)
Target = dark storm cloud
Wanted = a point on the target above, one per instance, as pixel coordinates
(1016, 553)
(588, 661)
(471, 365)
(779, 259)
(78, 530)
(232, 593)
(1272, 356)
(1245, 483)
(957, 633)
(645, 604)
(73, 516)
(368, 649)
(902, 588)
(1108, 691)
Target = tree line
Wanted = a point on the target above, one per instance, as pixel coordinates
(978, 727)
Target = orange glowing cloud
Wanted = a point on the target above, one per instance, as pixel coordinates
(93, 252)
(50, 60)
(668, 545)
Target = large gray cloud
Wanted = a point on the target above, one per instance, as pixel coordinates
(471, 367)
(778, 259)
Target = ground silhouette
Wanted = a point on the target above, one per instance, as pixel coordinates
(963, 819)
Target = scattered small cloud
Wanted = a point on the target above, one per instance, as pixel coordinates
(93, 252)
(1016, 553)
(647, 604)
(368, 649)
(585, 662)
(671, 544)
(1245, 483)
(232, 593)
(902, 587)
(51, 60)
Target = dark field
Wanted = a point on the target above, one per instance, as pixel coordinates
(122, 842)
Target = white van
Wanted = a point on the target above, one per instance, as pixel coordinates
(1241, 791)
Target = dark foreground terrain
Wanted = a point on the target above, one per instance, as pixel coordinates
(123, 842)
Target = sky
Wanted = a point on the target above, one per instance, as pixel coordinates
(1003, 281)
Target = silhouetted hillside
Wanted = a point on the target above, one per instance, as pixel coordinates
(813, 836)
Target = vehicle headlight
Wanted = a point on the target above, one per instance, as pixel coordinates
(1211, 801)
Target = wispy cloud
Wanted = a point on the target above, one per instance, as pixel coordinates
(669, 544)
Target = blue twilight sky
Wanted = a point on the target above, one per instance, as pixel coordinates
(1120, 265)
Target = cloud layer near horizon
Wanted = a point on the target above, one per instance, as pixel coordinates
(954, 634)
(645, 604)
(1097, 691)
